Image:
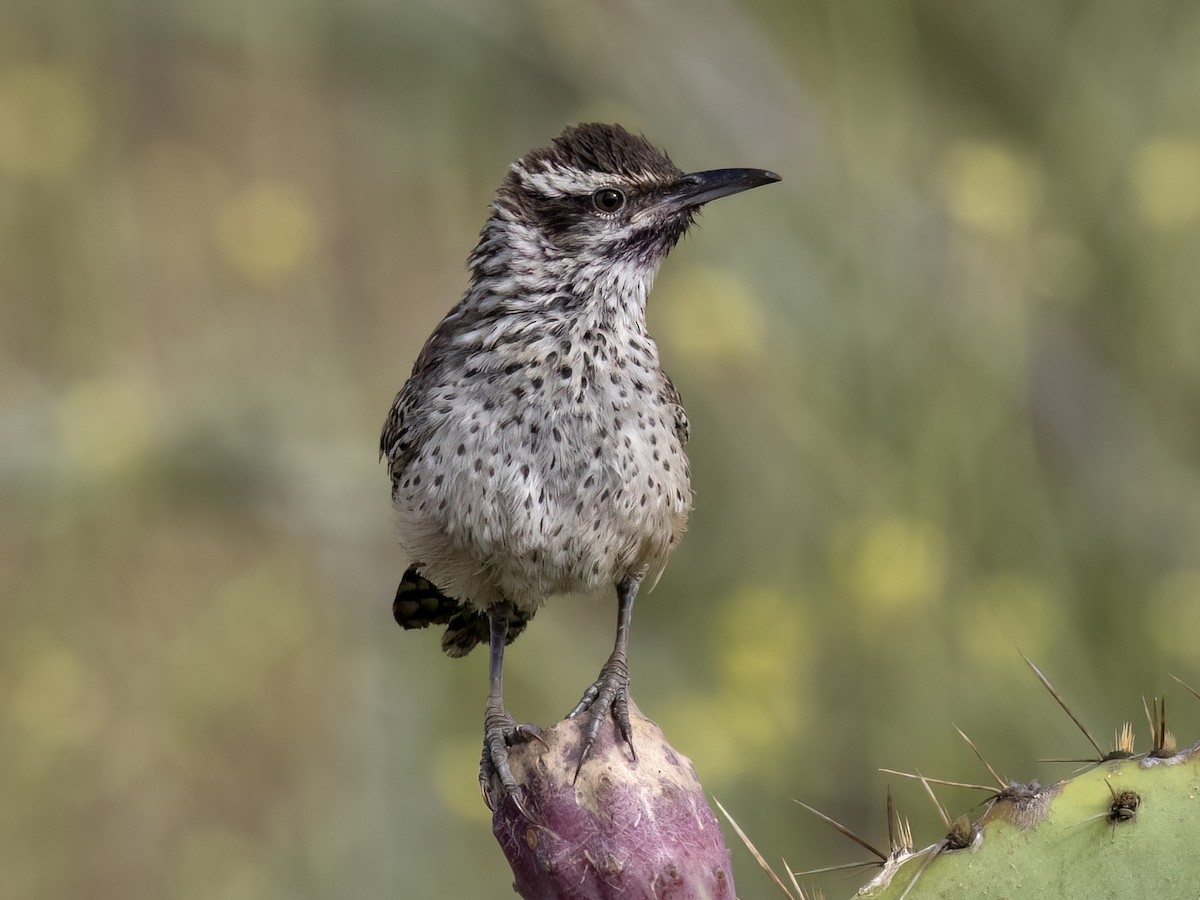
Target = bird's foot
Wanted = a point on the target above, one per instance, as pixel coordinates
(609, 692)
(501, 731)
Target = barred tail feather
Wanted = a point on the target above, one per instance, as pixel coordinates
(420, 603)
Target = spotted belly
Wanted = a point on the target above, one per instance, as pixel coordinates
(546, 508)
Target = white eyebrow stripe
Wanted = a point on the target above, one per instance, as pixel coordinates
(557, 181)
(554, 180)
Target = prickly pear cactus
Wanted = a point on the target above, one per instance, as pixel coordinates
(1125, 825)
(624, 829)
(1125, 828)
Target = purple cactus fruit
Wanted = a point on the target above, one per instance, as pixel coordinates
(627, 829)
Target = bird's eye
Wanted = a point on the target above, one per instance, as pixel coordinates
(608, 200)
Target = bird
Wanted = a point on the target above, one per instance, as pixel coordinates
(537, 448)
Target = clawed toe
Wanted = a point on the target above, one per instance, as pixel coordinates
(609, 693)
(500, 732)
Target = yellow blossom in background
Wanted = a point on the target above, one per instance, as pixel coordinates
(989, 188)
(1165, 179)
(707, 314)
(265, 232)
(892, 563)
(45, 121)
(452, 765)
(106, 425)
(762, 651)
(760, 636)
(56, 703)
(725, 733)
(257, 622)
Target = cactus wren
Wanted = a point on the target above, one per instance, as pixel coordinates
(537, 447)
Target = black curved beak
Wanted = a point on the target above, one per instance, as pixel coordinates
(699, 187)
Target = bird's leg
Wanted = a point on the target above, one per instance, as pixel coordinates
(500, 730)
(611, 690)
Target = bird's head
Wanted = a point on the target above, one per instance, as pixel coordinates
(599, 198)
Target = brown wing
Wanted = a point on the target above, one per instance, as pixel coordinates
(671, 395)
(396, 440)
(407, 425)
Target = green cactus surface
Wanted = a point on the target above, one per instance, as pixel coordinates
(1123, 828)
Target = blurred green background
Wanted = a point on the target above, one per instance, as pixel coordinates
(944, 383)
